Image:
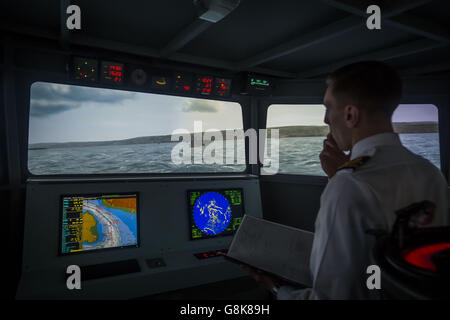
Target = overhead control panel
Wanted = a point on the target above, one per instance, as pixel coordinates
(169, 81)
(160, 82)
(259, 86)
(85, 69)
(183, 83)
(204, 85)
(112, 72)
(222, 87)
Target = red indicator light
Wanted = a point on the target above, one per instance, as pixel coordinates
(222, 87)
(421, 256)
(186, 88)
(204, 85)
(112, 72)
(112, 67)
(211, 254)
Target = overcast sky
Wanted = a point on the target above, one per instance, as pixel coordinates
(63, 113)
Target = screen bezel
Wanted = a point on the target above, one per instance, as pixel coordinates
(61, 218)
(191, 214)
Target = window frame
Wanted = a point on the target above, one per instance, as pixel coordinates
(25, 101)
(288, 177)
(298, 104)
(443, 133)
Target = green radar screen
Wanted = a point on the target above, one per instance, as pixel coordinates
(215, 212)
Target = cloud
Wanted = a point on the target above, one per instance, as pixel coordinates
(51, 98)
(201, 106)
(43, 108)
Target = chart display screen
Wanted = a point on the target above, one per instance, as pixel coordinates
(215, 212)
(98, 222)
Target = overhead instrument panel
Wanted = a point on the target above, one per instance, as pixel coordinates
(84, 69)
(116, 73)
(160, 82)
(139, 77)
(222, 87)
(183, 83)
(257, 85)
(203, 85)
(112, 72)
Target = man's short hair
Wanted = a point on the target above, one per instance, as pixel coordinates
(372, 85)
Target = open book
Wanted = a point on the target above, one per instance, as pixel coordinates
(274, 248)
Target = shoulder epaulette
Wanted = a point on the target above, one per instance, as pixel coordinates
(355, 163)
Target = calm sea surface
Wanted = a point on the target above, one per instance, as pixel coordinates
(298, 155)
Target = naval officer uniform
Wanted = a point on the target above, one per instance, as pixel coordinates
(381, 177)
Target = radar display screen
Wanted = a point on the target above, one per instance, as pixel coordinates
(98, 222)
(112, 72)
(215, 212)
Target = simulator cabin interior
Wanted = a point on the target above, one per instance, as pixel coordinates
(136, 135)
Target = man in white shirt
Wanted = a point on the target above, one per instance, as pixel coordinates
(381, 177)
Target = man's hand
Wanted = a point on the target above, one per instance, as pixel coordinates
(260, 276)
(331, 157)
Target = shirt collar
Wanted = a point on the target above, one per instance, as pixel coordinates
(367, 145)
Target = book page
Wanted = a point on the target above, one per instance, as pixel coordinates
(275, 248)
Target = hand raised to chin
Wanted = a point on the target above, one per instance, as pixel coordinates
(331, 157)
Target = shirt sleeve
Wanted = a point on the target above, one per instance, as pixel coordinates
(341, 247)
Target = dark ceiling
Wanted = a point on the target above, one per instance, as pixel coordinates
(286, 38)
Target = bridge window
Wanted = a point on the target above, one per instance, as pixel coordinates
(418, 128)
(302, 131)
(85, 130)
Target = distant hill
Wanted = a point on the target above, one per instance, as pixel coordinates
(314, 131)
(137, 140)
(285, 132)
(415, 127)
(302, 131)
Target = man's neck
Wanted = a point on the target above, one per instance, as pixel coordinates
(359, 134)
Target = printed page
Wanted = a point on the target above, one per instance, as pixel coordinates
(275, 248)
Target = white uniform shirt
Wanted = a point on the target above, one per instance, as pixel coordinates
(358, 200)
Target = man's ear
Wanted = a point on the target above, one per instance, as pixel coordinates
(352, 116)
